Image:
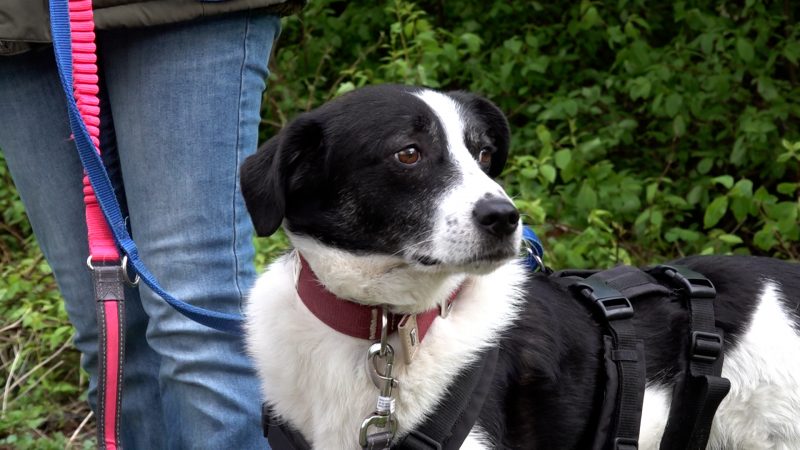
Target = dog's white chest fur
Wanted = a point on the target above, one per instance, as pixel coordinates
(316, 377)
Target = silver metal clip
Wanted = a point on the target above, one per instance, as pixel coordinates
(380, 363)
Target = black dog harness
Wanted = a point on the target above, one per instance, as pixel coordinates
(695, 398)
(698, 391)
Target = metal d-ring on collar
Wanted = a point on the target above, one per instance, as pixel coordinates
(383, 418)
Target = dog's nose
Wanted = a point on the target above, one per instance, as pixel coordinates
(497, 216)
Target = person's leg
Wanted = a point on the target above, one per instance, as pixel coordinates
(35, 140)
(186, 102)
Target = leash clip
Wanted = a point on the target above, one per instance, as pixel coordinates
(380, 363)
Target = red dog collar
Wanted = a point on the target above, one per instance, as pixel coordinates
(355, 319)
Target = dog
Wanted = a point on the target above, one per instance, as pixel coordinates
(388, 197)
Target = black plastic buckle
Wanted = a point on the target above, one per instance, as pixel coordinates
(695, 284)
(611, 302)
(626, 444)
(705, 346)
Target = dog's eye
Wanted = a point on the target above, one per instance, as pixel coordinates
(485, 158)
(408, 156)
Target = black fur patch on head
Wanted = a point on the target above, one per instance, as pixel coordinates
(486, 128)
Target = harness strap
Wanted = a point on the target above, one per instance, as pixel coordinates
(621, 412)
(445, 429)
(631, 282)
(700, 389)
(453, 419)
(281, 435)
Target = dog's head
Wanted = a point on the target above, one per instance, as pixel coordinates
(392, 170)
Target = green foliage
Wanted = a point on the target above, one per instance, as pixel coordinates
(641, 131)
(40, 368)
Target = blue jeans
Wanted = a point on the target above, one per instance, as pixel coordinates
(181, 108)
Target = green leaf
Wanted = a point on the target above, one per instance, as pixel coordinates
(766, 88)
(529, 172)
(676, 234)
(788, 188)
(740, 207)
(640, 88)
(513, 44)
(695, 195)
(672, 104)
(657, 218)
(570, 107)
(743, 188)
(548, 172)
(731, 239)
(725, 180)
(714, 212)
(345, 87)
(678, 126)
(472, 41)
(591, 18)
(704, 165)
(562, 158)
(792, 51)
(765, 238)
(745, 49)
(650, 192)
(738, 153)
(544, 135)
(781, 211)
(587, 198)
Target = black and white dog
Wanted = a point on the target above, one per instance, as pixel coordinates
(387, 195)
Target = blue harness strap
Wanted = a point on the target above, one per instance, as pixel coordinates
(59, 22)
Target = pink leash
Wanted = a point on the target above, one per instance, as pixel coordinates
(104, 259)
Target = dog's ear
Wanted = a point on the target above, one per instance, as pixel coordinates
(266, 176)
(497, 125)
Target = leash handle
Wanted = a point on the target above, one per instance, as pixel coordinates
(73, 25)
(104, 192)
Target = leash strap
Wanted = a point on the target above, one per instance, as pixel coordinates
(700, 389)
(72, 24)
(96, 173)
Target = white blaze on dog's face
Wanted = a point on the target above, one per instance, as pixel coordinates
(475, 222)
(396, 171)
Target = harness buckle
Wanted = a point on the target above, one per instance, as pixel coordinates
(695, 284)
(625, 444)
(611, 302)
(705, 346)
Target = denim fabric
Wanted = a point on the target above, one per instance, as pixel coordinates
(181, 110)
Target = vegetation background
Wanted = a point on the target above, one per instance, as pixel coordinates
(642, 131)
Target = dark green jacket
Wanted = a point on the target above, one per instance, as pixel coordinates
(28, 21)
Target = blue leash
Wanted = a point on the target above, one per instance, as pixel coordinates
(59, 22)
(232, 323)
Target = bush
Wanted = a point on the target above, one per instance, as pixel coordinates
(641, 132)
